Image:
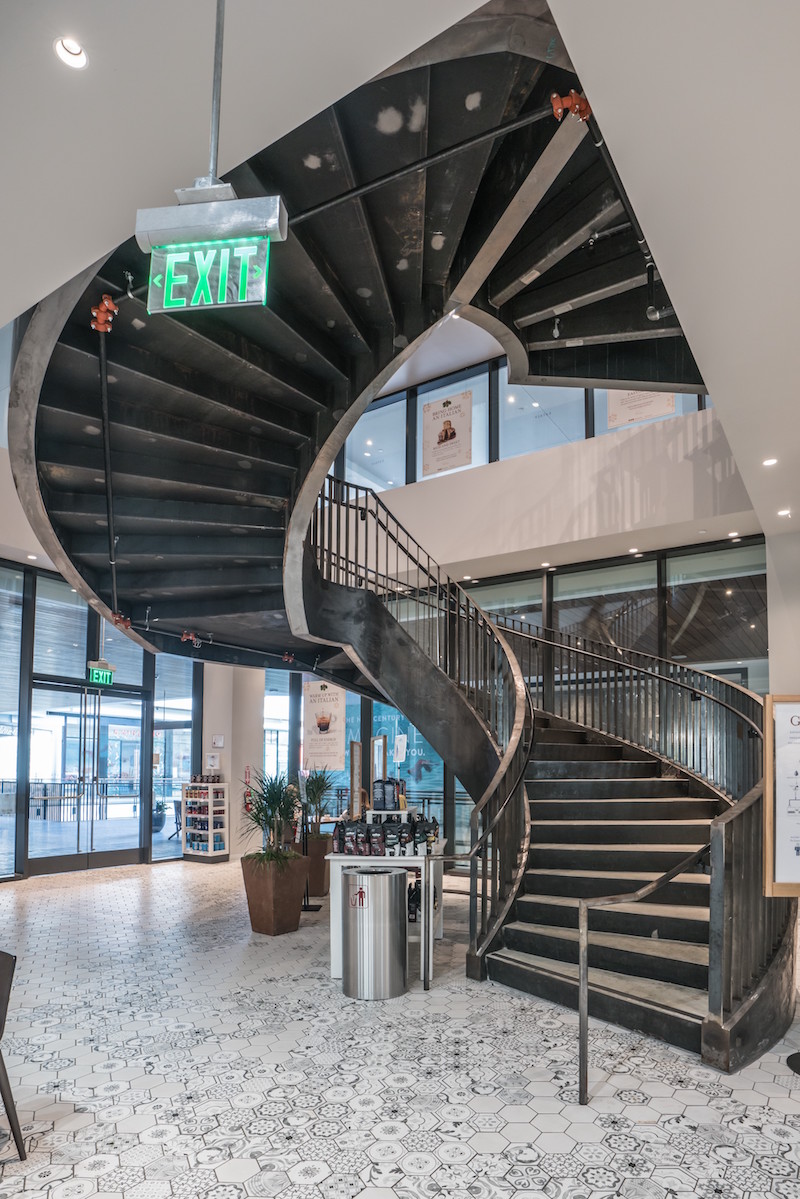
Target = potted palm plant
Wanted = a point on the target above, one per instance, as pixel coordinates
(275, 877)
(159, 815)
(319, 785)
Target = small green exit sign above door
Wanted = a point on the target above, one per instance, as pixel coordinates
(208, 274)
(101, 676)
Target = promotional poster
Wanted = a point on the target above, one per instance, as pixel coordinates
(628, 407)
(447, 433)
(787, 791)
(323, 726)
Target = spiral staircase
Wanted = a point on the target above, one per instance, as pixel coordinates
(197, 511)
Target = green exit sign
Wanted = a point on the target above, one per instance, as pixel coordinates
(208, 274)
(101, 676)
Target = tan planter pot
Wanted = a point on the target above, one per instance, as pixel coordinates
(319, 873)
(275, 894)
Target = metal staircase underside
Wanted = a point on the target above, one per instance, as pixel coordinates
(218, 419)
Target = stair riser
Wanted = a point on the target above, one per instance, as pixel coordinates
(599, 788)
(611, 920)
(552, 751)
(561, 735)
(599, 857)
(671, 832)
(693, 894)
(603, 957)
(552, 768)
(666, 1026)
(617, 810)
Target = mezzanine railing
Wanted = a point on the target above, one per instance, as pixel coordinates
(356, 542)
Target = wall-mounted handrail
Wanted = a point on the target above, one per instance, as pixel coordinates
(357, 542)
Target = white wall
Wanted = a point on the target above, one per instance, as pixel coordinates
(233, 705)
(670, 483)
(783, 613)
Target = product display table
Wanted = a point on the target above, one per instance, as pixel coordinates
(431, 923)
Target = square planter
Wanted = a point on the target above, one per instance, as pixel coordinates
(275, 894)
(319, 872)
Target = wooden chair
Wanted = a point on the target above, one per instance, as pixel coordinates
(7, 964)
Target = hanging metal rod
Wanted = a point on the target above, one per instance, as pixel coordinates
(216, 93)
(529, 118)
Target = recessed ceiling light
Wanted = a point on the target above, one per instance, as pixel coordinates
(785, 512)
(367, 454)
(70, 52)
(390, 482)
(456, 317)
(535, 404)
(32, 557)
(729, 591)
(467, 578)
(511, 399)
(545, 564)
(733, 534)
(640, 555)
(769, 462)
(552, 568)
(702, 530)
(634, 550)
(752, 626)
(735, 540)
(368, 441)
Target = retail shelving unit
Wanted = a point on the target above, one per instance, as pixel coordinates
(205, 825)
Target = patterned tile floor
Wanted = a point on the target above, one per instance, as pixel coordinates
(157, 1048)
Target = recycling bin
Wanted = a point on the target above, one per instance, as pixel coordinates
(374, 932)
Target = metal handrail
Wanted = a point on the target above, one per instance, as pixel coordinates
(705, 733)
(356, 541)
(607, 901)
(514, 624)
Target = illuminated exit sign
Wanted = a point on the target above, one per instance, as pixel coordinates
(208, 274)
(101, 674)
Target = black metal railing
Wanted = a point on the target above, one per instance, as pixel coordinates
(357, 542)
(707, 725)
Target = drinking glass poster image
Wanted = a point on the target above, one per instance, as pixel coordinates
(447, 433)
(323, 726)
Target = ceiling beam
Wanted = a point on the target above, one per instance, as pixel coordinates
(171, 549)
(72, 507)
(655, 365)
(149, 583)
(622, 318)
(152, 375)
(535, 185)
(61, 461)
(598, 283)
(544, 250)
(176, 433)
(193, 608)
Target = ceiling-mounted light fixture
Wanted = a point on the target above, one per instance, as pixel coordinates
(71, 53)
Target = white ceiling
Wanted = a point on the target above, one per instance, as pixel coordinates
(82, 150)
(691, 99)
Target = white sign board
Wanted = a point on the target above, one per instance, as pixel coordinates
(787, 791)
(323, 726)
(628, 407)
(447, 433)
(400, 744)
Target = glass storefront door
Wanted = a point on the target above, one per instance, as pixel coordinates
(84, 805)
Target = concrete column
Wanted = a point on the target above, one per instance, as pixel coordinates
(783, 613)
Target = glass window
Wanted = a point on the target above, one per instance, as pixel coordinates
(616, 605)
(124, 655)
(276, 722)
(537, 418)
(462, 439)
(520, 598)
(10, 638)
(717, 611)
(59, 644)
(638, 408)
(172, 749)
(423, 769)
(375, 452)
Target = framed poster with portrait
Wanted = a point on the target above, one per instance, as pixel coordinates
(782, 795)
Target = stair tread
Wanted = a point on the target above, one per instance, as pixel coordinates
(688, 1002)
(651, 909)
(699, 822)
(656, 947)
(683, 848)
(640, 876)
(656, 800)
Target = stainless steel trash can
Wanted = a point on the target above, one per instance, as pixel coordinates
(374, 932)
